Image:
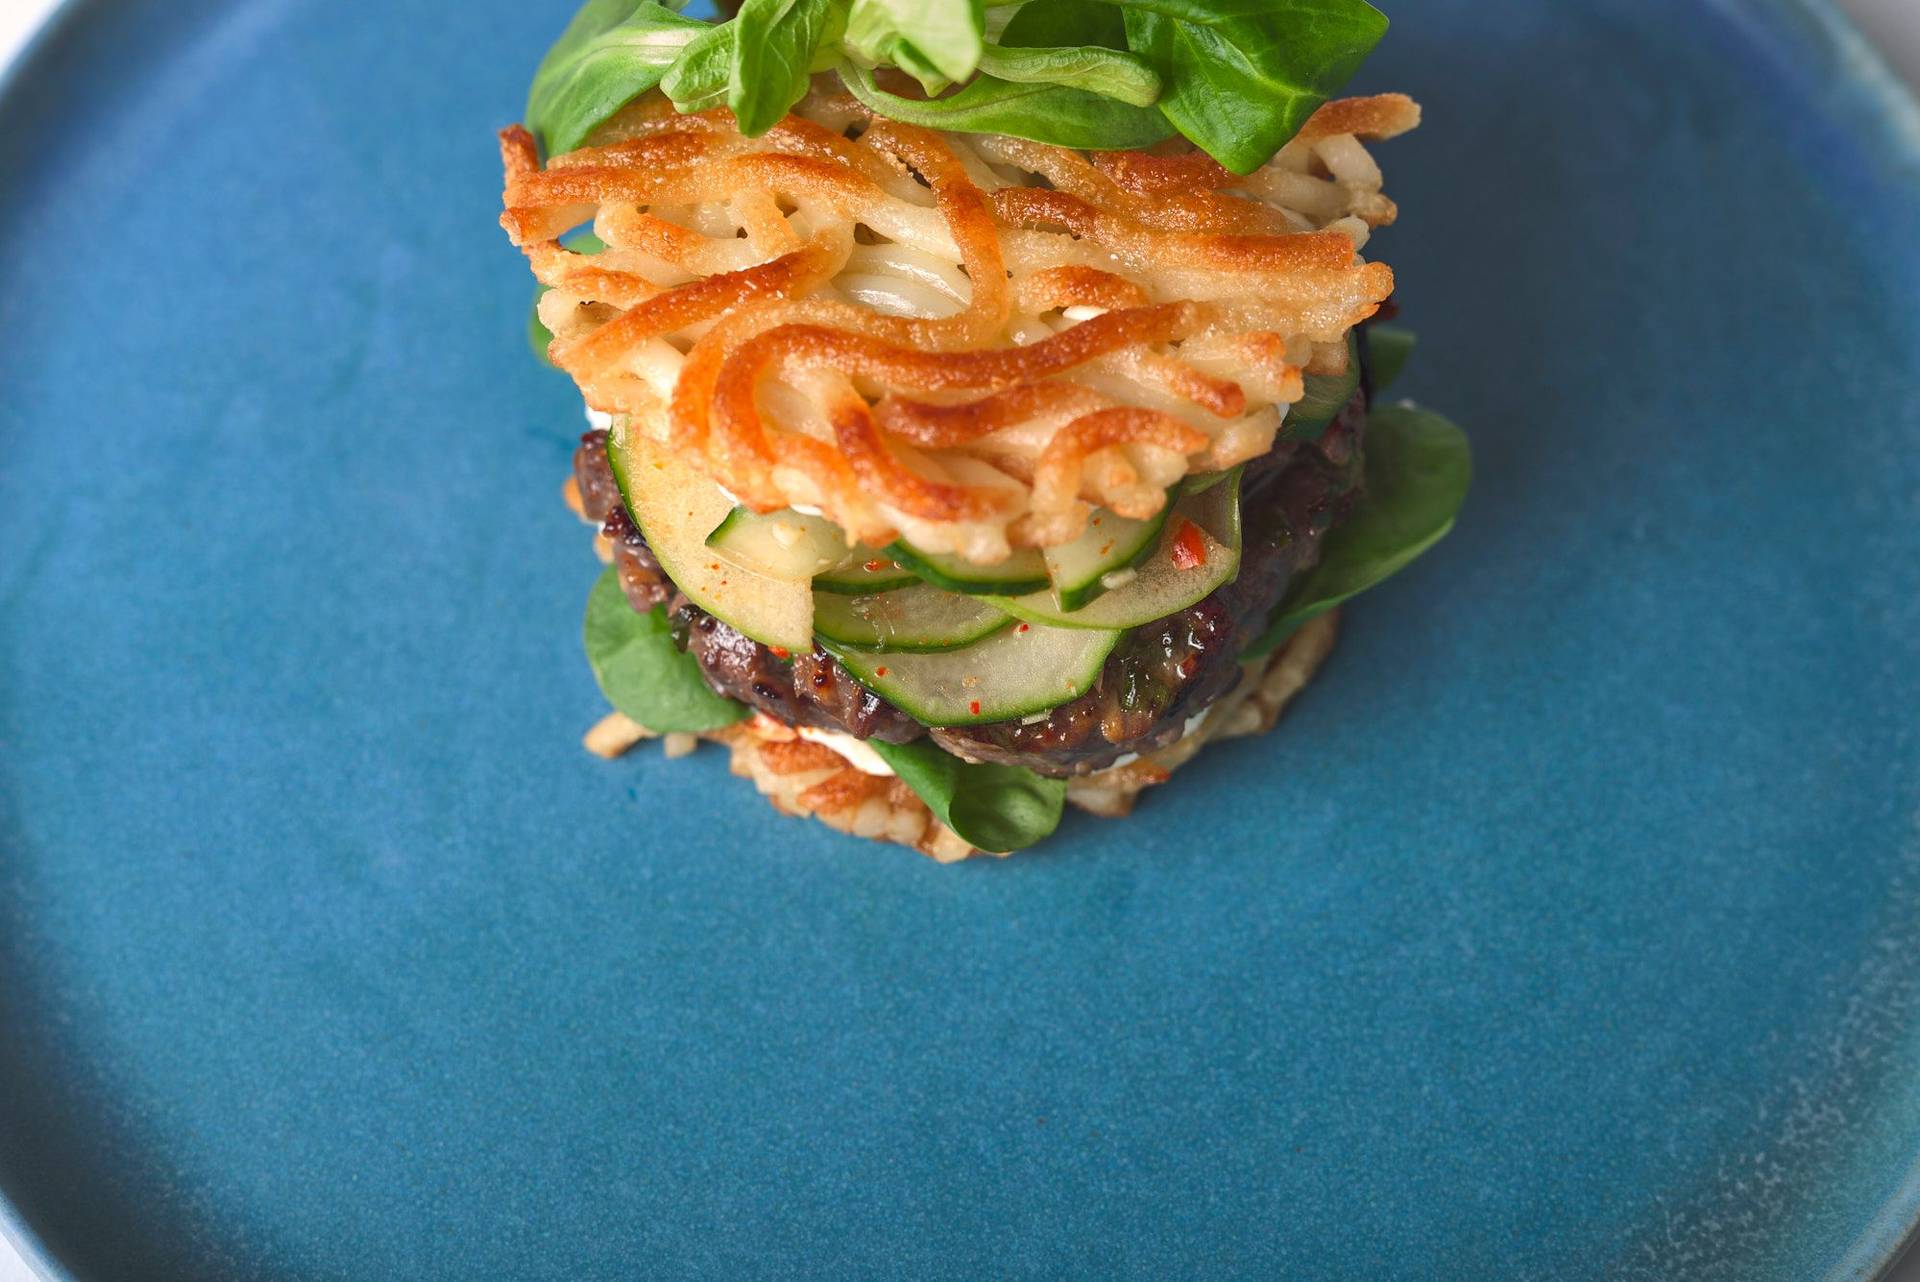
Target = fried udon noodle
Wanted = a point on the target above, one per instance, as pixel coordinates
(964, 340)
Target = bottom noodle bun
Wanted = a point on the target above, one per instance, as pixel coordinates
(801, 777)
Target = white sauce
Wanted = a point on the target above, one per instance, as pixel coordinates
(1193, 723)
(858, 754)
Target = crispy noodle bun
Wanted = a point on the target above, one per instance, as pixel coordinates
(804, 778)
(963, 340)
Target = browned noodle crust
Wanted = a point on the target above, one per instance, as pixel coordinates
(727, 249)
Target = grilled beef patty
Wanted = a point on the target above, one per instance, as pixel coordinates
(1158, 677)
(641, 577)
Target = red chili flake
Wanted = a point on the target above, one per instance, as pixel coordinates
(780, 651)
(1021, 628)
(875, 566)
(974, 707)
(1189, 547)
(879, 672)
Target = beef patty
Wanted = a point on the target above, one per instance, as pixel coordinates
(1159, 676)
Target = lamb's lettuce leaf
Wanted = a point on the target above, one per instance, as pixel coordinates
(1238, 77)
(1417, 470)
(997, 808)
(642, 672)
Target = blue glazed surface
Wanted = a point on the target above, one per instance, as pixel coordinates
(1569, 928)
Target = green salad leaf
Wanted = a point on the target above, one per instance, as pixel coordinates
(642, 672)
(612, 52)
(1237, 77)
(1043, 113)
(1418, 467)
(1048, 24)
(773, 49)
(698, 82)
(1388, 347)
(1243, 77)
(997, 808)
(1106, 72)
(941, 39)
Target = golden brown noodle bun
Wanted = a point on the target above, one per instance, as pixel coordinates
(965, 341)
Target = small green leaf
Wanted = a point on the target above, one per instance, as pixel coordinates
(997, 808)
(1242, 76)
(1388, 347)
(1050, 24)
(944, 34)
(773, 54)
(1042, 113)
(612, 52)
(1418, 467)
(905, 56)
(698, 81)
(642, 672)
(1088, 67)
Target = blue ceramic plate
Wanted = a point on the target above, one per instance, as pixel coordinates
(1570, 928)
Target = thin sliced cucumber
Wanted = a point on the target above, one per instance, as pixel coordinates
(1326, 396)
(864, 572)
(780, 545)
(1013, 673)
(919, 618)
(1165, 582)
(676, 508)
(1109, 544)
(1024, 571)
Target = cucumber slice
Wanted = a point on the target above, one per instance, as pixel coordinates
(863, 573)
(1160, 586)
(1110, 542)
(1012, 673)
(676, 508)
(1024, 571)
(1326, 396)
(1202, 481)
(914, 619)
(780, 545)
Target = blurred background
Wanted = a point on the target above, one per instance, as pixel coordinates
(1893, 25)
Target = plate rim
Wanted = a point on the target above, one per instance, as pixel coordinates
(1841, 54)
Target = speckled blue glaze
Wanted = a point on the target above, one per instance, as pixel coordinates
(1570, 929)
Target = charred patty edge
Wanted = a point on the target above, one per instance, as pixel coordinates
(1158, 678)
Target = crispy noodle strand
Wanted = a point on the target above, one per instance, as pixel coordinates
(964, 339)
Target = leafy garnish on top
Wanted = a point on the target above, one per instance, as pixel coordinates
(1236, 77)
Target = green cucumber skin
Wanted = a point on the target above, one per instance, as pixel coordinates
(741, 521)
(1020, 573)
(1215, 509)
(618, 466)
(860, 623)
(1201, 482)
(895, 677)
(854, 579)
(1075, 595)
